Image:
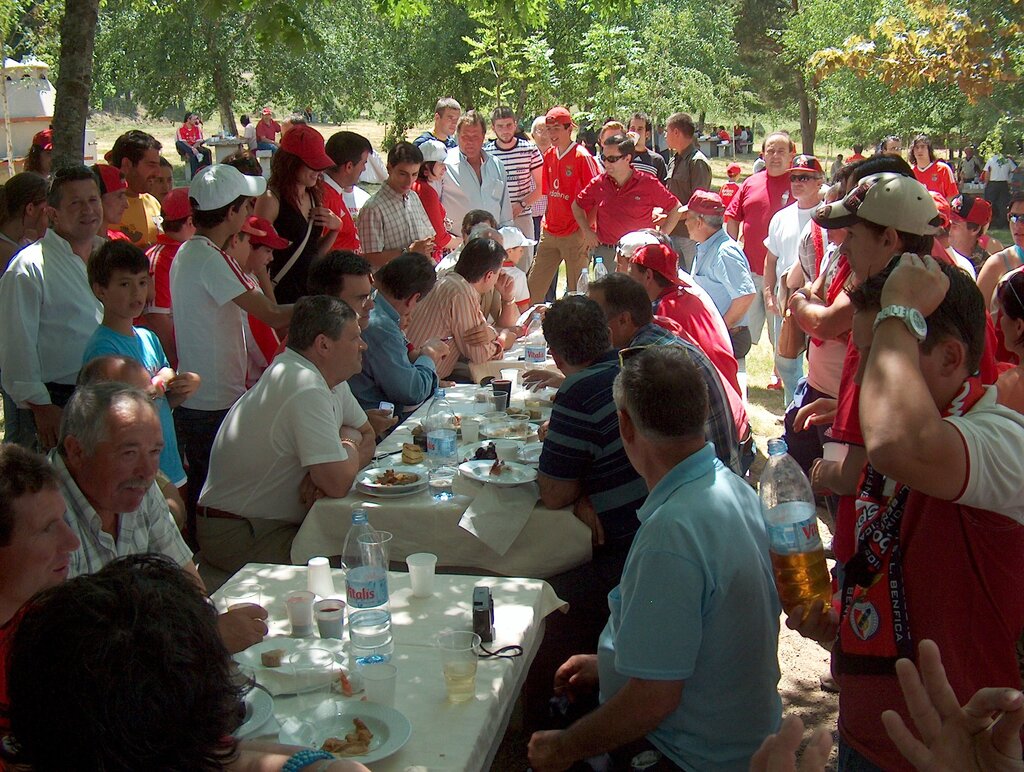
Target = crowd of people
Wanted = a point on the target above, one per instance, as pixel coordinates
(199, 365)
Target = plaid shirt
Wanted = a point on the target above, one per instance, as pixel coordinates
(150, 528)
(720, 428)
(392, 221)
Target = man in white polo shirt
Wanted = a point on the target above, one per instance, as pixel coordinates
(211, 295)
(297, 435)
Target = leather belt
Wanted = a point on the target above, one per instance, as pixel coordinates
(217, 514)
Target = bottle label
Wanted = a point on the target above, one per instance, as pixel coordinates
(366, 587)
(442, 443)
(792, 538)
(536, 354)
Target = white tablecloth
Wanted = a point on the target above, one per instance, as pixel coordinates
(552, 541)
(445, 736)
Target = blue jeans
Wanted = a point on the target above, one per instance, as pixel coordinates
(265, 144)
(851, 761)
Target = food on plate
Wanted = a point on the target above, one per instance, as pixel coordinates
(457, 421)
(271, 657)
(345, 684)
(356, 743)
(498, 468)
(412, 454)
(486, 452)
(391, 477)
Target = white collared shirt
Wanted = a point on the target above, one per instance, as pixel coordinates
(462, 190)
(47, 315)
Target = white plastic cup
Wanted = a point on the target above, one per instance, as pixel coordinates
(470, 430)
(422, 566)
(379, 681)
(330, 617)
(300, 613)
(318, 577)
(507, 450)
(242, 594)
(511, 374)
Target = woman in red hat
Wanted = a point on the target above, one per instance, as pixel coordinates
(40, 155)
(293, 204)
(114, 195)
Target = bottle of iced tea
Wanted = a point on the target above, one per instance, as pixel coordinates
(787, 505)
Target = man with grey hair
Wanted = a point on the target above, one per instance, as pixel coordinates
(720, 268)
(695, 615)
(295, 436)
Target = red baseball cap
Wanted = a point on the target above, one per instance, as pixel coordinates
(806, 163)
(733, 169)
(945, 213)
(267, 111)
(109, 178)
(660, 259)
(176, 205)
(972, 209)
(308, 144)
(558, 116)
(705, 202)
(263, 233)
(43, 139)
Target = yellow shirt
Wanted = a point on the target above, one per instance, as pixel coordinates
(139, 223)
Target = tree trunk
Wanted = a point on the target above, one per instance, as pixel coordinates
(74, 83)
(808, 115)
(223, 91)
(700, 121)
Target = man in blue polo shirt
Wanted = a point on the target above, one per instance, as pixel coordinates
(687, 662)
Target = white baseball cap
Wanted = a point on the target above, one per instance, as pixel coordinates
(218, 185)
(513, 237)
(433, 151)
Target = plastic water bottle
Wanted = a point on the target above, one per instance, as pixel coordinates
(366, 590)
(536, 351)
(583, 283)
(442, 437)
(600, 270)
(798, 557)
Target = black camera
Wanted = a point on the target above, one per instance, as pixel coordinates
(483, 613)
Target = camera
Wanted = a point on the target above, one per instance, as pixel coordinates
(483, 613)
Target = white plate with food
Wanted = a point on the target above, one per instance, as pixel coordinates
(259, 707)
(501, 473)
(507, 430)
(483, 451)
(361, 731)
(392, 480)
(267, 662)
(530, 453)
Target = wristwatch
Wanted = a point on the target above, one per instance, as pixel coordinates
(911, 317)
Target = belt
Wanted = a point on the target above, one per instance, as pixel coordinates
(217, 514)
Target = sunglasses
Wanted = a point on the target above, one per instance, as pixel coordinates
(611, 159)
(802, 177)
(1015, 218)
(628, 353)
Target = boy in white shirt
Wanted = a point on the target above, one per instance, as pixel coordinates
(515, 244)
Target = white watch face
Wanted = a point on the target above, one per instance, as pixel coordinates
(917, 323)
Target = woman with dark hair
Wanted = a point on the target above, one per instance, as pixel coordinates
(40, 155)
(23, 217)
(1010, 301)
(426, 186)
(189, 142)
(293, 204)
(936, 176)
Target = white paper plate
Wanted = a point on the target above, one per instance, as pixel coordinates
(251, 657)
(514, 474)
(499, 431)
(384, 492)
(259, 707)
(391, 730)
(467, 451)
(368, 479)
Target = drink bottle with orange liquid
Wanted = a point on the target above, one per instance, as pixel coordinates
(797, 554)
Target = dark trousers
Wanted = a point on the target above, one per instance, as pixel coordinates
(804, 446)
(196, 430)
(194, 164)
(998, 194)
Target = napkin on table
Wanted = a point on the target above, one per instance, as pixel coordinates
(498, 514)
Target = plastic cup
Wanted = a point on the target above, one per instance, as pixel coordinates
(440, 482)
(314, 670)
(421, 573)
(458, 663)
(318, 577)
(502, 386)
(470, 430)
(507, 450)
(499, 401)
(330, 617)
(379, 681)
(300, 613)
(511, 375)
(242, 594)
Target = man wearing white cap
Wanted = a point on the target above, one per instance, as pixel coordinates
(211, 294)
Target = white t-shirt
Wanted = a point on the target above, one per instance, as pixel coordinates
(354, 200)
(522, 288)
(288, 422)
(998, 168)
(995, 470)
(825, 360)
(208, 326)
(249, 135)
(783, 238)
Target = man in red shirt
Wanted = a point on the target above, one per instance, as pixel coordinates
(621, 200)
(858, 154)
(654, 266)
(267, 130)
(568, 167)
(349, 151)
(759, 198)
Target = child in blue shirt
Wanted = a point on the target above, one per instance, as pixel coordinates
(119, 275)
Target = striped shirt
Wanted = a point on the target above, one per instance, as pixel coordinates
(390, 220)
(449, 311)
(583, 443)
(150, 528)
(519, 162)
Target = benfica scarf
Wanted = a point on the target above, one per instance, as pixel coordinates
(874, 629)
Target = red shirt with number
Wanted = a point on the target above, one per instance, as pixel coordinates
(622, 210)
(564, 175)
(189, 133)
(938, 178)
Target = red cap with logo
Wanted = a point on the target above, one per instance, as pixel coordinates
(558, 116)
(263, 233)
(109, 178)
(972, 209)
(308, 144)
(705, 202)
(733, 169)
(806, 163)
(660, 259)
(176, 205)
(43, 139)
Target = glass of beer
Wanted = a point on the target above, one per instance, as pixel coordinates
(458, 661)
